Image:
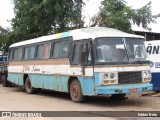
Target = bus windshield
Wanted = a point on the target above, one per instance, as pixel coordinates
(136, 49)
(120, 50)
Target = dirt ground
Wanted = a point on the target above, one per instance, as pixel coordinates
(15, 99)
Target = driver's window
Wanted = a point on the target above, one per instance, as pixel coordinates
(76, 54)
(81, 53)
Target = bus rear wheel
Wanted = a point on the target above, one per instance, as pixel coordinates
(29, 89)
(5, 82)
(76, 91)
(118, 96)
(28, 86)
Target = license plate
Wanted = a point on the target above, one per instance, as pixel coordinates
(133, 90)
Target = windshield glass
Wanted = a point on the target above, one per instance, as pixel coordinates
(120, 50)
(136, 49)
(111, 50)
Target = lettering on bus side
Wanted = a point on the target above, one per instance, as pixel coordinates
(153, 49)
(32, 68)
(26, 68)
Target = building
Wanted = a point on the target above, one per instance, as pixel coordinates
(148, 35)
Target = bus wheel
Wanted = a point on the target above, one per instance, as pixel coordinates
(5, 82)
(76, 91)
(28, 86)
(118, 96)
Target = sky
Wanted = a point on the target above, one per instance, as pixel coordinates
(90, 9)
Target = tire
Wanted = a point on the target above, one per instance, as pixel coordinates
(76, 92)
(5, 82)
(29, 89)
(28, 86)
(118, 96)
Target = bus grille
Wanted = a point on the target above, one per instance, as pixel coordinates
(129, 77)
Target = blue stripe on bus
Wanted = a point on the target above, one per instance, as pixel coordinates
(123, 88)
(87, 85)
(96, 78)
(60, 83)
(156, 81)
(16, 78)
(57, 83)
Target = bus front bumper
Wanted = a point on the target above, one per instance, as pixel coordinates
(127, 88)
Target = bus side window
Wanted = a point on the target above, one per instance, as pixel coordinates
(56, 49)
(18, 54)
(11, 57)
(14, 55)
(76, 54)
(32, 52)
(46, 52)
(40, 49)
(61, 49)
(65, 49)
(26, 51)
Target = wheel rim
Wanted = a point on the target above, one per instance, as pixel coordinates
(75, 91)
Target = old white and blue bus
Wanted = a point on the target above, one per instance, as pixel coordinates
(82, 62)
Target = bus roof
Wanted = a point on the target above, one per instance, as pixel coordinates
(77, 34)
(157, 42)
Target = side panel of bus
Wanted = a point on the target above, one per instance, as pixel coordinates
(53, 73)
(153, 50)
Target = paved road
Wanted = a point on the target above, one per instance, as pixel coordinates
(15, 99)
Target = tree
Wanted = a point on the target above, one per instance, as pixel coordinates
(116, 14)
(3, 39)
(35, 18)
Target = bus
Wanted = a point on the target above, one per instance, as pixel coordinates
(82, 62)
(3, 58)
(153, 51)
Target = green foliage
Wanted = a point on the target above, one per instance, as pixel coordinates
(3, 39)
(34, 18)
(41, 17)
(116, 14)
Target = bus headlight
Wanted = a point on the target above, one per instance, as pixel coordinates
(108, 78)
(105, 76)
(112, 75)
(146, 75)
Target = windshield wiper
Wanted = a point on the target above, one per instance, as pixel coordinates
(133, 57)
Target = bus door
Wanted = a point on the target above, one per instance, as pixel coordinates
(81, 57)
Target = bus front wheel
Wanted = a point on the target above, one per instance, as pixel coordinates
(76, 91)
(118, 96)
